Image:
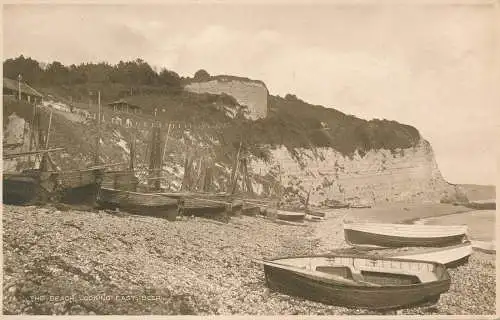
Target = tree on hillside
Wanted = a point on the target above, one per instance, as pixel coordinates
(169, 78)
(30, 69)
(56, 74)
(201, 75)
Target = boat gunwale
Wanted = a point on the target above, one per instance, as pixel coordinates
(362, 287)
(434, 249)
(456, 230)
(434, 263)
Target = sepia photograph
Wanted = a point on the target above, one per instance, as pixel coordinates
(250, 158)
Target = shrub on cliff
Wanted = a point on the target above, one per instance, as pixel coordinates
(201, 75)
(301, 124)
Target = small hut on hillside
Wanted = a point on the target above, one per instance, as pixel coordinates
(125, 105)
(11, 88)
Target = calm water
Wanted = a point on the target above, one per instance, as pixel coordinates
(481, 223)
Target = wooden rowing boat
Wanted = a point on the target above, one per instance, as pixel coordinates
(120, 180)
(79, 186)
(237, 207)
(316, 213)
(148, 204)
(37, 186)
(290, 215)
(404, 235)
(250, 210)
(451, 257)
(202, 207)
(334, 204)
(359, 206)
(357, 281)
(24, 188)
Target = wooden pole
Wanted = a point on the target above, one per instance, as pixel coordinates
(20, 154)
(102, 166)
(32, 132)
(98, 139)
(235, 167)
(132, 152)
(155, 157)
(280, 194)
(166, 139)
(19, 77)
(48, 131)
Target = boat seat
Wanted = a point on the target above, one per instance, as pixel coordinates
(426, 277)
(356, 275)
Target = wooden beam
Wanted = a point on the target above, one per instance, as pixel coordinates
(48, 131)
(107, 165)
(20, 154)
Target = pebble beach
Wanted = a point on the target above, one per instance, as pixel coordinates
(97, 262)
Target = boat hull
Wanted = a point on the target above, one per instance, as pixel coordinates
(120, 180)
(358, 281)
(20, 190)
(29, 187)
(236, 208)
(79, 186)
(383, 298)
(138, 203)
(201, 208)
(316, 213)
(451, 257)
(338, 206)
(355, 237)
(290, 216)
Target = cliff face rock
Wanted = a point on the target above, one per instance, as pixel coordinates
(379, 176)
(15, 130)
(250, 93)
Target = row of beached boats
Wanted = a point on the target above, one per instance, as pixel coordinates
(375, 276)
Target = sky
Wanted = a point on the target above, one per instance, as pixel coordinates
(429, 66)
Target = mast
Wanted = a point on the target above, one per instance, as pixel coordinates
(132, 152)
(280, 187)
(32, 133)
(235, 168)
(155, 157)
(44, 165)
(98, 139)
(19, 77)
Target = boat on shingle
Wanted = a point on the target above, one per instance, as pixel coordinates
(376, 283)
(25, 188)
(404, 235)
(290, 215)
(451, 257)
(202, 207)
(148, 204)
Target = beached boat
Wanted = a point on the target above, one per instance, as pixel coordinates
(148, 204)
(316, 213)
(290, 215)
(24, 188)
(451, 257)
(337, 205)
(360, 206)
(250, 210)
(236, 207)
(120, 180)
(309, 217)
(79, 186)
(202, 207)
(357, 281)
(403, 235)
